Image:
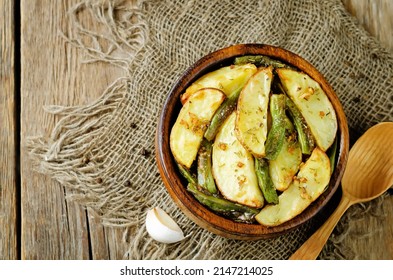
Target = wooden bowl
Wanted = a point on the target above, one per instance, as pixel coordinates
(175, 183)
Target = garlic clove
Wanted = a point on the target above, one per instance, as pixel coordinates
(161, 227)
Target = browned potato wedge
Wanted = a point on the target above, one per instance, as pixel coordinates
(285, 166)
(191, 124)
(313, 103)
(228, 79)
(252, 106)
(233, 168)
(309, 184)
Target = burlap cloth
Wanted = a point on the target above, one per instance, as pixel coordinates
(104, 152)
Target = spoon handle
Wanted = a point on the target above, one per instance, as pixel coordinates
(314, 245)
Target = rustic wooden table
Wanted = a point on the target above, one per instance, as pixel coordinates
(37, 68)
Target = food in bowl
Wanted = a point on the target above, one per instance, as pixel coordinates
(255, 140)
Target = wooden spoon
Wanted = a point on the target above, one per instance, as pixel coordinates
(369, 173)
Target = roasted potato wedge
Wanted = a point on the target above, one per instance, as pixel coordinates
(252, 110)
(313, 103)
(228, 79)
(309, 184)
(233, 168)
(285, 166)
(191, 124)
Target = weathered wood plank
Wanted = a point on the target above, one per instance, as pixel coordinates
(52, 228)
(376, 17)
(106, 243)
(99, 246)
(8, 126)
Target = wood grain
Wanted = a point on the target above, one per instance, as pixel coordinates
(53, 73)
(8, 126)
(375, 16)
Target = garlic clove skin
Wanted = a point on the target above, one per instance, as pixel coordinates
(161, 227)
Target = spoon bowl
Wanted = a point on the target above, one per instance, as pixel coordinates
(369, 173)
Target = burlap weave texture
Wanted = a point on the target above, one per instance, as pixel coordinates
(104, 151)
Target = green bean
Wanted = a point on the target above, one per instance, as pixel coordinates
(306, 140)
(225, 109)
(204, 169)
(225, 207)
(187, 174)
(260, 60)
(332, 154)
(265, 182)
(276, 136)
